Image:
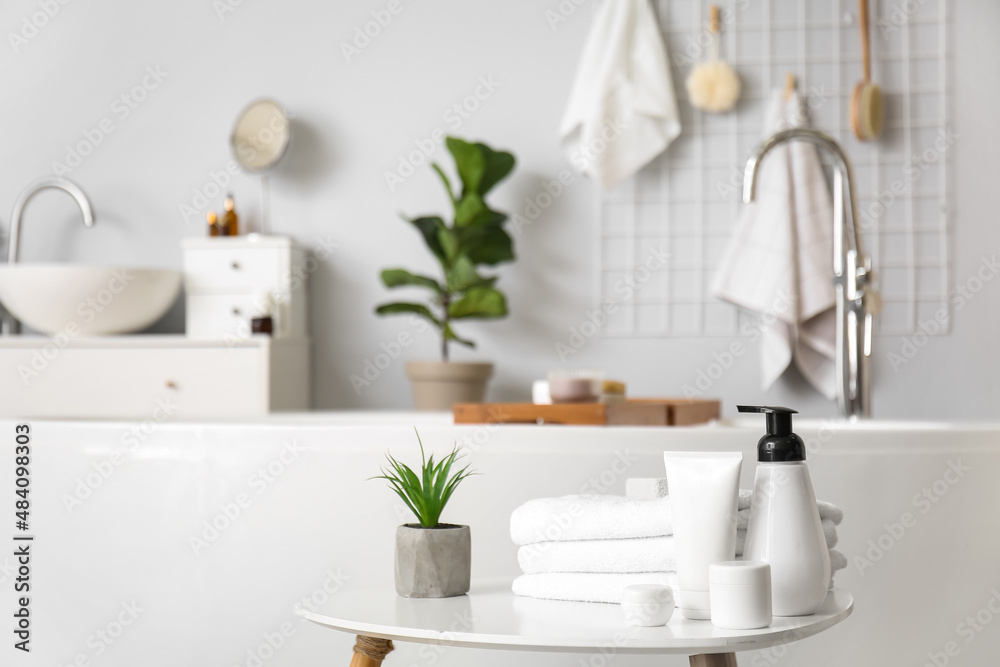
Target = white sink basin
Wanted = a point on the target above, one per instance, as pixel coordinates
(52, 298)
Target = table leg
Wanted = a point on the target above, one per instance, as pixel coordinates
(713, 660)
(371, 651)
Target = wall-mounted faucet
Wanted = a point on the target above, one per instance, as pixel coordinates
(852, 270)
(11, 325)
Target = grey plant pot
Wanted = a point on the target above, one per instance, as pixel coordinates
(433, 562)
(438, 385)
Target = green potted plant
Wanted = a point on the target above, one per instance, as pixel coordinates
(433, 559)
(474, 238)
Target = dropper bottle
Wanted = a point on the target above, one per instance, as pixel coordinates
(230, 221)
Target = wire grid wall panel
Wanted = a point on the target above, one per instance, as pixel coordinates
(686, 202)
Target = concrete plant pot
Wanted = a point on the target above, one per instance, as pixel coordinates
(438, 385)
(433, 562)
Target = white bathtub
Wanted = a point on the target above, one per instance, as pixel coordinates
(120, 578)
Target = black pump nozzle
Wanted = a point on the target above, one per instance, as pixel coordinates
(780, 444)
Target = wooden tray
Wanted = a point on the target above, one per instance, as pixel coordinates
(633, 412)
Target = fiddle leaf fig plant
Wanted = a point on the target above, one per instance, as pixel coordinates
(475, 237)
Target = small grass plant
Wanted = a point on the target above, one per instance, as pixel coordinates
(426, 493)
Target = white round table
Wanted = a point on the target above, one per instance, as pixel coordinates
(492, 617)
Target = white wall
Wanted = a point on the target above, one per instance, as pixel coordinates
(353, 121)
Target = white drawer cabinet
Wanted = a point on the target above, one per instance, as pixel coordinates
(225, 277)
(133, 376)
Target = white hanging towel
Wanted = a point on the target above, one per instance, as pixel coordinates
(622, 112)
(779, 261)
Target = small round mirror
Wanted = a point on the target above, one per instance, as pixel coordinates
(260, 135)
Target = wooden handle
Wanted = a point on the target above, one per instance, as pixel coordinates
(789, 85)
(866, 62)
(713, 22)
(713, 660)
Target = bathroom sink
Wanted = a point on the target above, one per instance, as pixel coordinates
(87, 300)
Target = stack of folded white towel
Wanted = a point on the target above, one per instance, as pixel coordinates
(590, 547)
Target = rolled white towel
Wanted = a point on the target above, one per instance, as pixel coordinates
(644, 554)
(594, 517)
(586, 587)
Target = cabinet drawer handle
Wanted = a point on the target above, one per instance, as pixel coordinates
(171, 384)
(236, 311)
(235, 265)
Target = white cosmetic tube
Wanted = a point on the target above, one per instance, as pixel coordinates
(704, 490)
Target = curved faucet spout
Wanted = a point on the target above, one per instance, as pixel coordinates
(49, 182)
(843, 170)
(851, 269)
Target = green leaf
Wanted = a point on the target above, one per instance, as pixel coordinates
(444, 179)
(449, 334)
(462, 275)
(479, 166)
(489, 245)
(479, 302)
(402, 277)
(449, 242)
(417, 308)
(470, 162)
(498, 165)
(429, 228)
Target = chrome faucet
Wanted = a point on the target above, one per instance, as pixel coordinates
(11, 325)
(852, 269)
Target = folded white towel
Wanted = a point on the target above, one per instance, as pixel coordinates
(586, 587)
(598, 517)
(592, 587)
(779, 261)
(643, 554)
(622, 111)
(648, 488)
(593, 517)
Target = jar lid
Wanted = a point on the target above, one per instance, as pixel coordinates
(643, 593)
(740, 573)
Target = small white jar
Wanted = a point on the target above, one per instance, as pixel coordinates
(740, 594)
(648, 605)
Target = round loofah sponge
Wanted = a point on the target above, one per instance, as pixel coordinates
(713, 86)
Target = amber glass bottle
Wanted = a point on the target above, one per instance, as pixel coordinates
(213, 224)
(230, 224)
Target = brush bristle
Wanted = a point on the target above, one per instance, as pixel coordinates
(713, 86)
